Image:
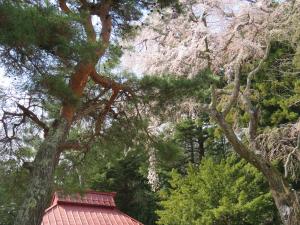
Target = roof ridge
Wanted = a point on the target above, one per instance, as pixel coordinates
(88, 198)
(51, 207)
(112, 193)
(84, 204)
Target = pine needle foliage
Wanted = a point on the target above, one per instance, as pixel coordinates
(229, 192)
(25, 27)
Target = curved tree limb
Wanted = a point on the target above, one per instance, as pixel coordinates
(74, 145)
(109, 83)
(63, 6)
(257, 69)
(237, 83)
(103, 114)
(28, 113)
(250, 108)
(85, 69)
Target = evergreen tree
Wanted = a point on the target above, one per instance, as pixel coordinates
(237, 54)
(52, 49)
(277, 87)
(134, 195)
(229, 192)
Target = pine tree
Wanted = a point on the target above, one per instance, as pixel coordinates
(229, 192)
(52, 50)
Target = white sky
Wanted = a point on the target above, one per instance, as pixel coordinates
(4, 81)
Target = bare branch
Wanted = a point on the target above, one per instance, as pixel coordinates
(257, 69)
(207, 51)
(11, 122)
(236, 83)
(253, 117)
(287, 162)
(34, 118)
(232, 35)
(250, 108)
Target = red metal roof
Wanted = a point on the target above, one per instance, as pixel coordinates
(91, 208)
(90, 198)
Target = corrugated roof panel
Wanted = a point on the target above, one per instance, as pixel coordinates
(90, 198)
(94, 208)
(77, 215)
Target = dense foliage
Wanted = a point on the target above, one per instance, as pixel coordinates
(229, 192)
(278, 87)
(165, 143)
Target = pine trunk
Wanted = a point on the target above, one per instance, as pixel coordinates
(286, 199)
(40, 188)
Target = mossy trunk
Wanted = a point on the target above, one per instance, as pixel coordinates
(40, 188)
(286, 199)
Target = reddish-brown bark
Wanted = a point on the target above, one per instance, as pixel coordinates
(46, 160)
(77, 84)
(84, 70)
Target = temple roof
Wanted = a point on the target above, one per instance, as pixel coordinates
(90, 208)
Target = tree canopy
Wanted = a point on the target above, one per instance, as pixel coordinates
(188, 109)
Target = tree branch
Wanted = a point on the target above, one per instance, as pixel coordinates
(207, 51)
(107, 108)
(236, 28)
(253, 117)
(87, 24)
(63, 6)
(74, 145)
(90, 106)
(89, 29)
(257, 69)
(34, 118)
(84, 70)
(250, 108)
(102, 10)
(109, 83)
(286, 164)
(70, 145)
(236, 83)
